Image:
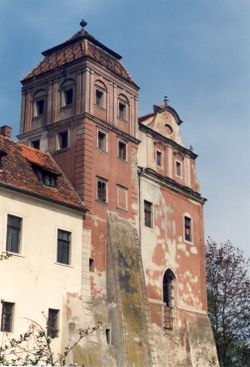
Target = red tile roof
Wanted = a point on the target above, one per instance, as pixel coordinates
(81, 45)
(17, 173)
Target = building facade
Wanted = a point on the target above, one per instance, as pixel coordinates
(144, 221)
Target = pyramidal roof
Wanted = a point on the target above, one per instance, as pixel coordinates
(81, 45)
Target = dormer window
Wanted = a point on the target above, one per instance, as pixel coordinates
(47, 178)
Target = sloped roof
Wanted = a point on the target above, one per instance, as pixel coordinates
(81, 45)
(17, 173)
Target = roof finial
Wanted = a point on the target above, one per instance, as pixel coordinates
(165, 100)
(83, 24)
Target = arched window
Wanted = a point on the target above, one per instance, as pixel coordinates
(67, 93)
(39, 103)
(168, 298)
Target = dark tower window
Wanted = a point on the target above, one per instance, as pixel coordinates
(35, 144)
(168, 299)
(101, 193)
(159, 158)
(102, 141)
(99, 96)
(63, 140)
(122, 113)
(122, 150)
(188, 229)
(39, 107)
(148, 211)
(68, 96)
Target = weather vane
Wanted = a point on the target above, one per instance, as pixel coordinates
(165, 100)
(83, 24)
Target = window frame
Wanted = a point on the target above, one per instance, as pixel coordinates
(11, 322)
(61, 243)
(187, 228)
(123, 114)
(9, 233)
(59, 139)
(39, 96)
(53, 331)
(105, 182)
(180, 168)
(126, 150)
(105, 150)
(147, 213)
(101, 97)
(68, 85)
(159, 154)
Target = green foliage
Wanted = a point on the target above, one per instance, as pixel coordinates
(34, 348)
(228, 286)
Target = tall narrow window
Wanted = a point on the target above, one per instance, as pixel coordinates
(63, 140)
(122, 110)
(67, 93)
(63, 246)
(102, 141)
(52, 323)
(14, 225)
(168, 299)
(122, 150)
(39, 107)
(188, 229)
(178, 168)
(99, 97)
(101, 193)
(159, 158)
(148, 220)
(7, 316)
(68, 96)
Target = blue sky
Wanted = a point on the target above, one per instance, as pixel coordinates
(195, 51)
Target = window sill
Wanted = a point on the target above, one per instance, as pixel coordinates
(122, 209)
(103, 203)
(102, 151)
(122, 160)
(67, 107)
(100, 107)
(188, 242)
(122, 119)
(65, 265)
(58, 151)
(13, 254)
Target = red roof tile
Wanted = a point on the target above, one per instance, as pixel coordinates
(81, 45)
(17, 172)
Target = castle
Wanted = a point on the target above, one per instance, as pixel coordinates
(111, 228)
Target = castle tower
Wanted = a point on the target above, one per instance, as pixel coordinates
(143, 255)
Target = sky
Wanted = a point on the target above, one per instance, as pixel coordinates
(197, 52)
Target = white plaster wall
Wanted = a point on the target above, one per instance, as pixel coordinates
(33, 280)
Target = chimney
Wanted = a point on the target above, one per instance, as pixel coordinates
(6, 131)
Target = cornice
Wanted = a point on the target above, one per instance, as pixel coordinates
(171, 184)
(168, 141)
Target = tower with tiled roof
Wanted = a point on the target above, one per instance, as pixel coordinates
(143, 230)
